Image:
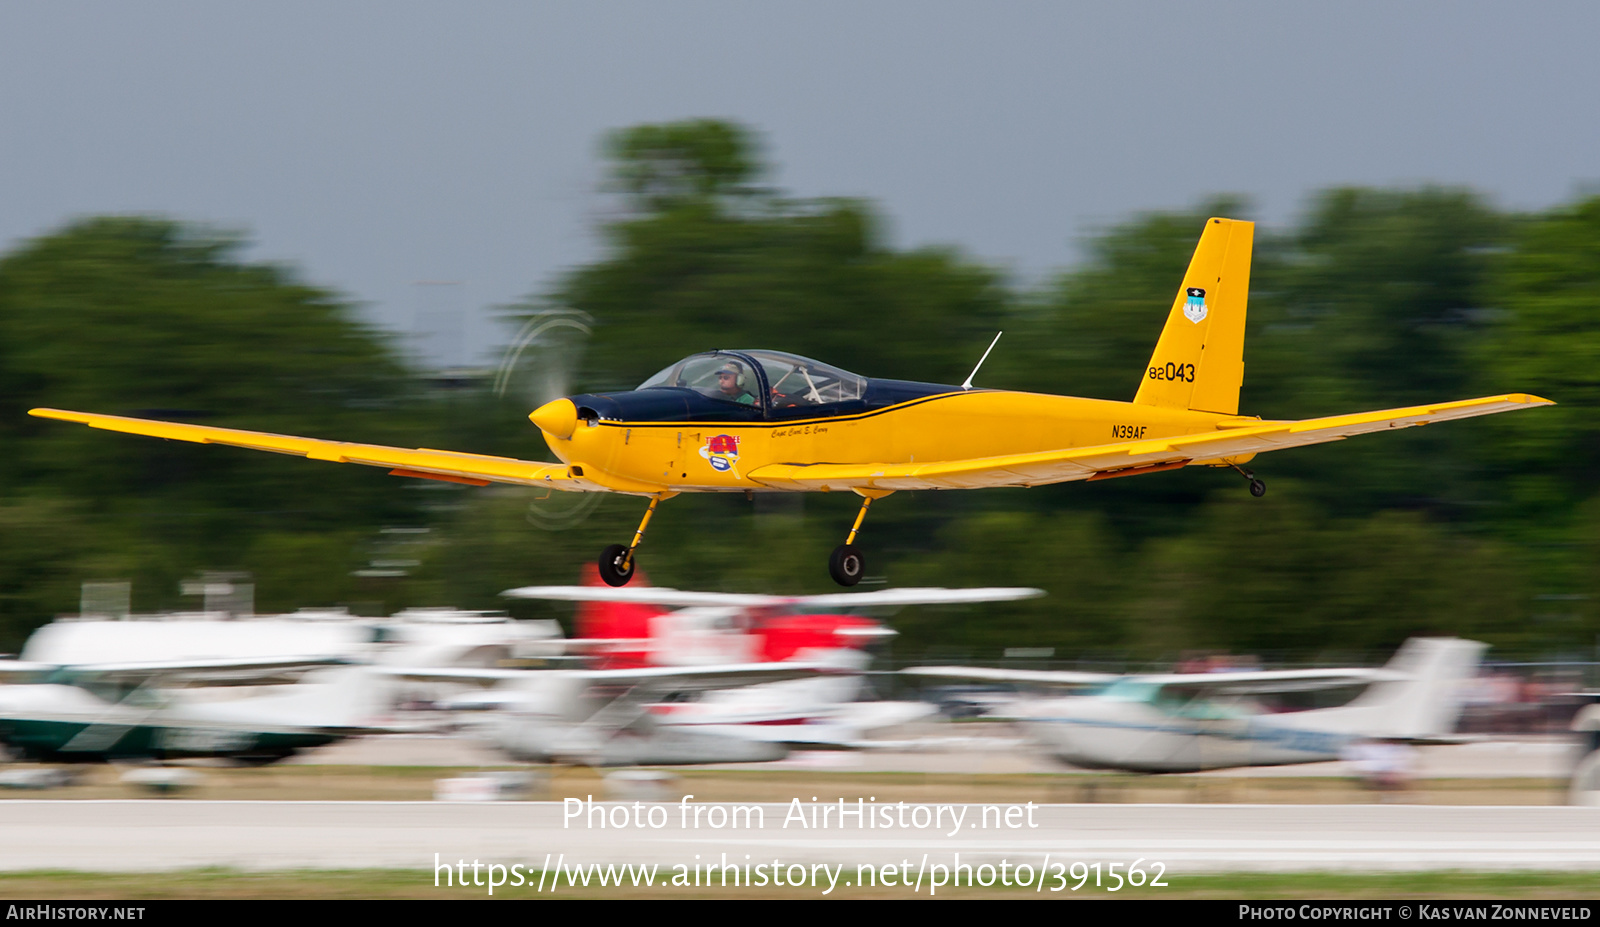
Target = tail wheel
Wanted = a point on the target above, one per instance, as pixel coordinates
(616, 567)
(846, 565)
(1257, 487)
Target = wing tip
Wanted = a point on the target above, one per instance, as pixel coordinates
(61, 414)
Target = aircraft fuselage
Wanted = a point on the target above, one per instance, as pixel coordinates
(649, 441)
(61, 723)
(1097, 733)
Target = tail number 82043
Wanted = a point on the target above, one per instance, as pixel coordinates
(1170, 371)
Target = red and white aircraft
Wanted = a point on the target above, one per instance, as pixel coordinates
(641, 626)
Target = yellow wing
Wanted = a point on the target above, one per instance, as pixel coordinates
(1126, 458)
(452, 466)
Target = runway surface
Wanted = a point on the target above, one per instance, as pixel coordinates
(155, 835)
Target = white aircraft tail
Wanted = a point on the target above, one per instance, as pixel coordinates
(1427, 700)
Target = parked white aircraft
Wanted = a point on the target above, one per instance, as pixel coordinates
(142, 711)
(1185, 722)
(604, 717)
(419, 637)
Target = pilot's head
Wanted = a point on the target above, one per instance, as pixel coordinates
(730, 379)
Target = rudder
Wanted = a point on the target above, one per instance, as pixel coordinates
(1199, 361)
(1427, 699)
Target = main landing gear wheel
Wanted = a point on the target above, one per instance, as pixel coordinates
(617, 561)
(1257, 487)
(616, 567)
(846, 565)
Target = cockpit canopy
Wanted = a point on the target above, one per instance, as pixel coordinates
(750, 386)
(763, 379)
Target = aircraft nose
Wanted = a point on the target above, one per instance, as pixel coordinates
(558, 418)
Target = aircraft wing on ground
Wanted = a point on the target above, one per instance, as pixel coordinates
(1066, 678)
(678, 598)
(675, 678)
(424, 463)
(1270, 681)
(232, 669)
(1235, 438)
(1211, 684)
(844, 725)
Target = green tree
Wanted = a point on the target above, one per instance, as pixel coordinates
(1376, 302)
(679, 164)
(150, 317)
(1546, 340)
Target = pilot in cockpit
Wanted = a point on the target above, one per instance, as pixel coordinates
(731, 384)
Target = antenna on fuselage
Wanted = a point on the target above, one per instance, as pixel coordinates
(968, 383)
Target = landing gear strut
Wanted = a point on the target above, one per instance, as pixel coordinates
(846, 565)
(617, 561)
(1258, 488)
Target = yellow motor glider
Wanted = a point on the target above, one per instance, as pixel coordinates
(762, 421)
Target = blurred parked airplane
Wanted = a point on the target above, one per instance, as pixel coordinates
(632, 627)
(748, 421)
(623, 628)
(142, 711)
(168, 686)
(603, 717)
(1182, 722)
(418, 637)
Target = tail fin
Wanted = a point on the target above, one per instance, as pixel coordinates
(1427, 702)
(1199, 361)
